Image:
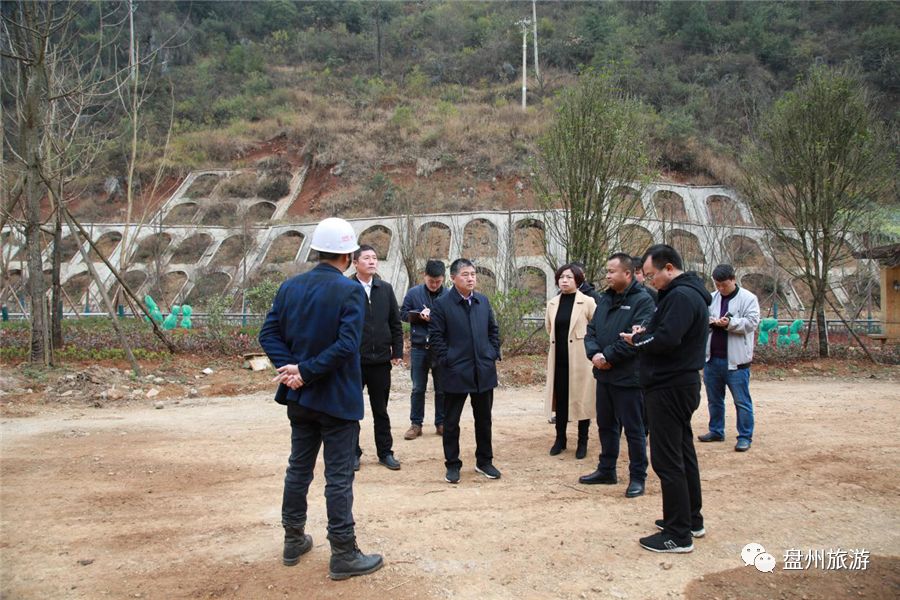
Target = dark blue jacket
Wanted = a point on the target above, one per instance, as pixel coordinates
(465, 341)
(615, 314)
(316, 322)
(416, 298)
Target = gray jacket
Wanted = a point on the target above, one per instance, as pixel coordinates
(741, 327)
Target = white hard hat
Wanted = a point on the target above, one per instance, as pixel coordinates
(334, 235)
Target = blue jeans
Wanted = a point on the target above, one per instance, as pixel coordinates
(420, 363)
(311, 430)
(716, 377)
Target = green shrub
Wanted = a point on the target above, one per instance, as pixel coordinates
(402, 117)
(273, 187)
(510, 308)
(243, 59)
(242, 185)
(446, 109)
(416, 82)
(260, 296)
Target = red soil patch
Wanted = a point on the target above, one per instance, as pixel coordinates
(277, 146)
(318, 184)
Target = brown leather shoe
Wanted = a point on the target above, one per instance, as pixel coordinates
(439, 430)
(413, 432)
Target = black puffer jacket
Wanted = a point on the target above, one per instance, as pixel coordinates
(615, 314)
(673, 349)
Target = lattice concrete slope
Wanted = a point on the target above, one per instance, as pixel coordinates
(198, 245)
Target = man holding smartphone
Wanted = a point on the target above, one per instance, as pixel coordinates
(733, 319)
(416, 310)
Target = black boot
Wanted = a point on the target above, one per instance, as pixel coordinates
(347, 561)
(296, 544)
(583, 428)
(558, 446)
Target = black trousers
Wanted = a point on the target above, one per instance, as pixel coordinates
(674, 459)
(311, 429)
(561, 394)
(621, 408)
(481, 411)
(377, 378)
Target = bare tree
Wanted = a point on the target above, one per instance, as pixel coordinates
(28, 28)
(57, 90)
(820, 162)
(135, 87)
(598, 142)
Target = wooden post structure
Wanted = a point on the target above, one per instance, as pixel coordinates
(106, 301)
(72, 222)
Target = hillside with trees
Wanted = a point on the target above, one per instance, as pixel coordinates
(402, 108)
(418, 102)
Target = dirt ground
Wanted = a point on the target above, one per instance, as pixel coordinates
(179, 497)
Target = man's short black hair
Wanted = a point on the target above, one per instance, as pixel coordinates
(624, 261)
(662, 255)
(723, 272)
(328, 255)
(435, 268)
(363, 248)
(638, 264)
(458, 264)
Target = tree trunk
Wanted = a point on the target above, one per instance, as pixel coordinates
(809, 322)
(378, 43)
(30, 124)
(40, 332)
(56, 302)
(822, 327)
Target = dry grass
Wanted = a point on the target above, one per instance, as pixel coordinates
(202, 186)
(192, 249)
(242, 185)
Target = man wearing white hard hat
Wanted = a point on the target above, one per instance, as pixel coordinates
(312, 335)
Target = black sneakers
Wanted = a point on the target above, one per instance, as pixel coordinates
(698, 532)
(489, 471)
(660, 542)
(452, 475)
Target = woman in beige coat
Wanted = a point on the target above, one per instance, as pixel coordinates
(570, 387)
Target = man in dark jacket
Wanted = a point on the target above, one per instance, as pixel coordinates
(381, 346)
(312, 336)
(639, 277)
(587, 288)
(466, 343)
(619, 401)
(672, 350)
(416, 311)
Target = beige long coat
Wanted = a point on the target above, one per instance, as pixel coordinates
(582, 385)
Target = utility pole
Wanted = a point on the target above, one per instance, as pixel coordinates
(524, 23)
(537, 69)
